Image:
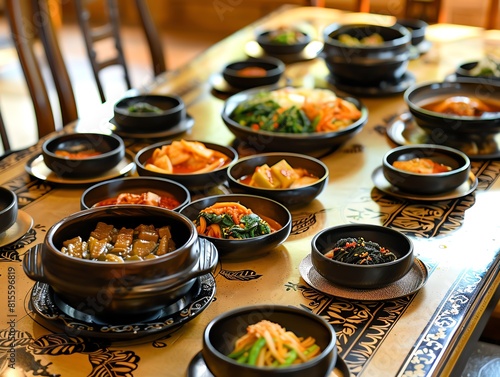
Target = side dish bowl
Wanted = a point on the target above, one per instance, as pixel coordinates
(173, 195)
(468, 70)
(247, 248)
(192, 181)
(442, 125)
(312, 143)
(8, 208)
(356, 275)
(253, 72)
(457, 162)
(416, 27)
(117, 291)
(367, 64)
(149, 112)
(290, 196)
(283, 41)
(83, 154)
(221, 333)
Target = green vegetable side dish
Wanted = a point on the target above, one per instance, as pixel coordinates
(267, 113)
(295, 111)
(267, 344)
(231, 220)
(286, 36)
(144, 107)
(486, 67)
(358, 251)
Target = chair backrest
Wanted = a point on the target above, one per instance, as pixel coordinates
(31, 23)
(4, 136)
(110, 30)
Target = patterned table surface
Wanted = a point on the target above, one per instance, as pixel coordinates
(420, 334)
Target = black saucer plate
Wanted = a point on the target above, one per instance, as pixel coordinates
(384, 185)
(178, 129)
(385, 88)
(48, 310)
(23, 225)
(37, 168)
(413, 281)
(198, 368)
(311, 51)
(403, 130)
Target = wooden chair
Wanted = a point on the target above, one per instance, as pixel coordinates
(111, 31)
(430, 11)
(4, 137)
(30, 23)
(361, 5)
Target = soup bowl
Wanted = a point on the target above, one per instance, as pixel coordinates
(117, 291)
(195, 181)
(172, 195)
(276, 214)
(431, 105)
(82, 154)
(222, 332)
(362, 276)
(453, 168)
(296, 194)
(366, 64)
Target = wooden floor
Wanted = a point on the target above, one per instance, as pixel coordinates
(15, 102)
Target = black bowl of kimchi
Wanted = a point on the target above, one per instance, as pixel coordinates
(362, 256)
(267, 119)
(155, 191)
(240, 236)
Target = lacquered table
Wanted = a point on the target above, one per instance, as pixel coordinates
(424, 326)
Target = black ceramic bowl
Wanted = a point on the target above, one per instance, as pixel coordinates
(442, 126)
(416, 27)
(220, 334)
(149, 113)
(365, 64)
(116, 291)
(109, 149)
(433, 183)
(291, 196)
(362, 276)
(306, 143)
(8, 208)
(194, 181)
(466, 70)
(174, 195)
(276, 42)
(248, 248)
(253, 72)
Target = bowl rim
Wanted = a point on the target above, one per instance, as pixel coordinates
(291, 136)
(443, 85)
(404, 39)
(277, 69)
(179, 107)
(12, 196)
(408, 254)
(144, 150)
(227, 198)
(331, 347)
(464, 167)
(54, 250)
(283, 155)
(85, 135)
(138, 178)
